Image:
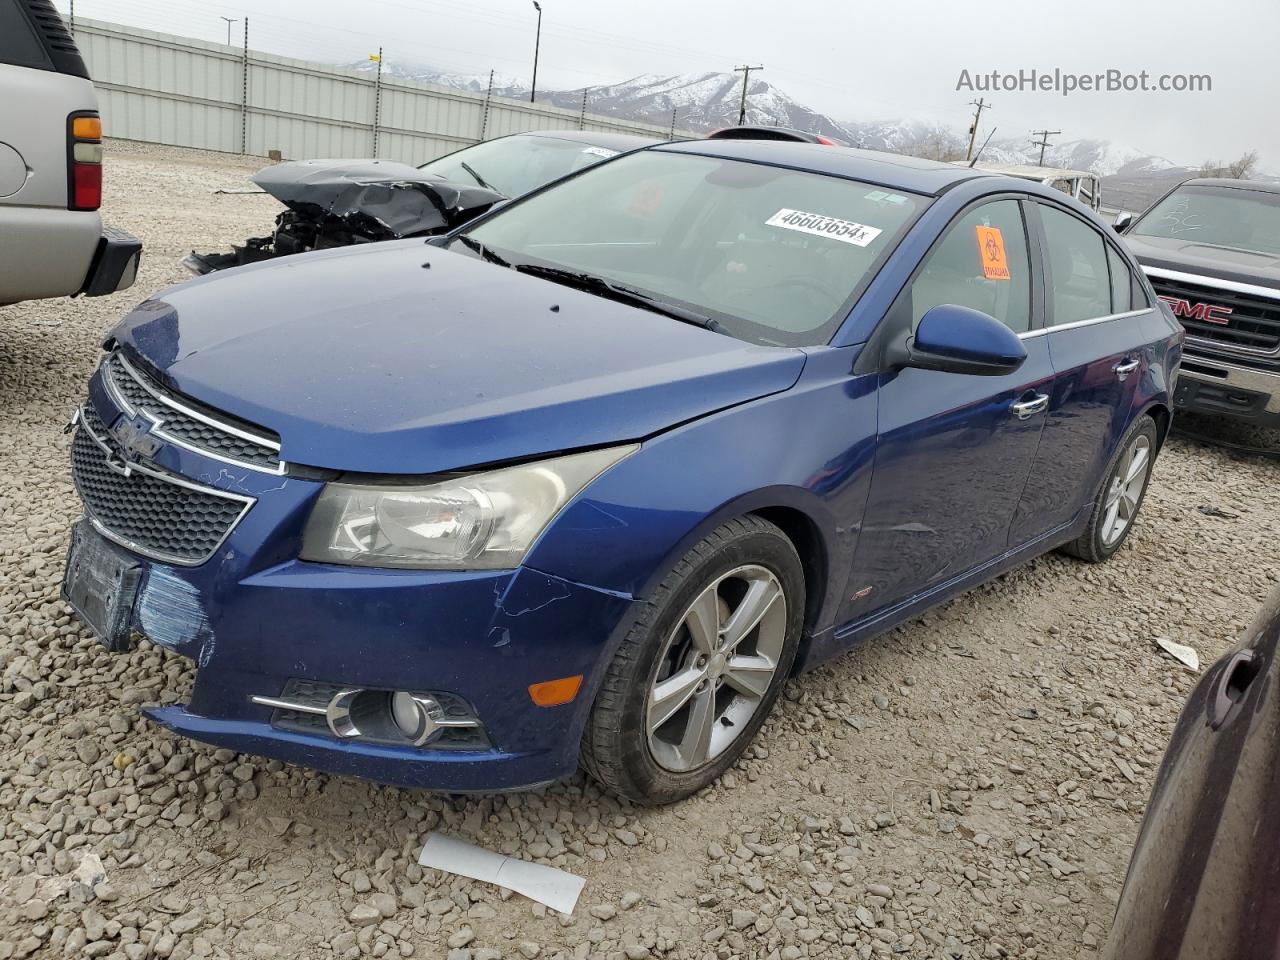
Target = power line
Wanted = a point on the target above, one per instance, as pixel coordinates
(1043, 142)
(746, 75)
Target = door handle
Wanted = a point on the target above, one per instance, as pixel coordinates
(1124, 368)
(1233, 683)
(1025, 409)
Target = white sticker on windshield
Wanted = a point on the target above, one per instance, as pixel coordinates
(832, 228)
(600, 152)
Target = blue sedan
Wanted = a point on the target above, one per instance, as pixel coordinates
(587, 481)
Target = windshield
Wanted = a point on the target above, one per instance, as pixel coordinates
(515, 165)
(1219, 216)
(776, 256)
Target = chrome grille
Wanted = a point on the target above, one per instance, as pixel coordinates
(145, 509)
(1252, 326)
(186, 422)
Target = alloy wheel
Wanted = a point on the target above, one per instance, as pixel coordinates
(1125, 490)
(716, 668)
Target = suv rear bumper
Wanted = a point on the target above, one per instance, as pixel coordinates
(1224, 389)
(115, 263)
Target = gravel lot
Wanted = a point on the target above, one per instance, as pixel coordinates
(967, 786)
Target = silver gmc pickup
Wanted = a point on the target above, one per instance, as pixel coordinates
(52, 239)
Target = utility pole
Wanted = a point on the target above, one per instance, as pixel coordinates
(537, 42)
(981, 104)
(230, 21)
(582, 119)
(73, 17)
(673, 124)
(1043, 141)
(484, 118)
(746, 74)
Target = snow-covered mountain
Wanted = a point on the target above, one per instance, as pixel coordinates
(705, 101)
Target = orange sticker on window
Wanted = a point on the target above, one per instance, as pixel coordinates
(991, 250)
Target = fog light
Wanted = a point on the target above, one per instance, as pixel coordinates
(417, 716)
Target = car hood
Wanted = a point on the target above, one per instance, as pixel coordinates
(1205, 259)
(399, 199)
(365, 359)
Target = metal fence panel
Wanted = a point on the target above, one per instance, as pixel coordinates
(168, 89)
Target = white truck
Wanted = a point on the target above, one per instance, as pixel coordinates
(52, 239)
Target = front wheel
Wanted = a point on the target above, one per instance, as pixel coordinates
(700, 670)
(1116, 507)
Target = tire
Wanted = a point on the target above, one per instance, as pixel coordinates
(733, 571)
(1100, 539)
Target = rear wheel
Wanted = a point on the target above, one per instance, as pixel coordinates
(700, 670)
(1116, 507)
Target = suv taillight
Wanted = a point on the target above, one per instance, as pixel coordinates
(84, 156)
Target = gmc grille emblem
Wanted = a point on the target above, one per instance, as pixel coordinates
(1204, 312)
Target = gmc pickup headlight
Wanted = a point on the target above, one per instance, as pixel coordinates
(483, 521)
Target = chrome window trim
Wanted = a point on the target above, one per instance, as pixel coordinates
(1235, 286)
(164, 478)
(278, 471)
(1029, 334)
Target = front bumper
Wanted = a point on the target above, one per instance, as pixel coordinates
(1207, 385)
(485, 637)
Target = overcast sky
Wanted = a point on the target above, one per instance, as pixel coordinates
(853, 60)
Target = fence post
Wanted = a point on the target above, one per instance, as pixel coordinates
(484, 117)
(244, 92)
(377, 103)
(582, 120)
(673, 124)
(73, 18)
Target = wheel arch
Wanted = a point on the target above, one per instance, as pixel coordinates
(1163, 416)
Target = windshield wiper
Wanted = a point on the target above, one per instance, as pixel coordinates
(477, 178)
(620, 292)
(482, 250)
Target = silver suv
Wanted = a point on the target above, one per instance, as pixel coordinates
(52, 241)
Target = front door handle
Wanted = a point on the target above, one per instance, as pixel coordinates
(1025, 409)
(1124, 368)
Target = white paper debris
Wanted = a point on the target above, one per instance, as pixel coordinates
(90, 872)
(1180, 652)
(557, 889)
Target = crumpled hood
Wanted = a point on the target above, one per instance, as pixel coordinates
(403, 200)
(363, 359)
(1188, 256)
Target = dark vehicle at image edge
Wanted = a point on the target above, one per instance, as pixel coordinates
(1204, 880)
(1211, 248)
(593, 477)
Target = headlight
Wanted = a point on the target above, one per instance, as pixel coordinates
(482, 521)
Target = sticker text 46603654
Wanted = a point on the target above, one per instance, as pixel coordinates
(833, 228)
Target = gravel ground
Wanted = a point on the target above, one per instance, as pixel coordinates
(968, 786)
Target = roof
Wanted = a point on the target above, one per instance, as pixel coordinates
(888, 169)
(1227, 183)
(1028, 171)
(613, 141)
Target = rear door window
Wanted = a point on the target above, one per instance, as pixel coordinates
(1079, 279)
(1121, 282)
(981, 263)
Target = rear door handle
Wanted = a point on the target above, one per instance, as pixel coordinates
(1233, 683)
(1025, 409)
(1124, 368)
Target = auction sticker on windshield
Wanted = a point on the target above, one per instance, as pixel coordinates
(601, 152)
(846, 231)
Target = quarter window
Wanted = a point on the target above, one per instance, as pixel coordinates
(1079, 280)
(981, 263)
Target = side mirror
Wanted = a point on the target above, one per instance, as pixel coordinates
(956, 339)
(1123, 221)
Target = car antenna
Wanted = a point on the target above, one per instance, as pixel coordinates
(978, 155)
